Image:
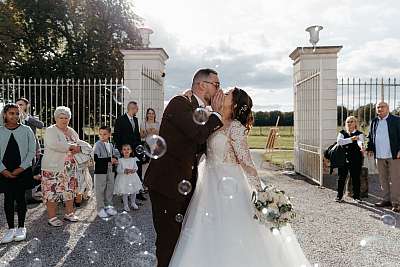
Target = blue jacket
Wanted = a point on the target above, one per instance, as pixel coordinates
(393, 123)
(26, 143)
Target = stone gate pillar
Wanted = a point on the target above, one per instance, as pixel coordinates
(321, 104)
(135, 61)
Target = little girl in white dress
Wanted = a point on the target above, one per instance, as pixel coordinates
(127, 181)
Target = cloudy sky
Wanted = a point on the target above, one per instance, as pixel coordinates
(248, 42)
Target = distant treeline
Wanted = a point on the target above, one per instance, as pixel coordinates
(268, 118)
(364, 114)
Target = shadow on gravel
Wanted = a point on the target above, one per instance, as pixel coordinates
(109, 241)
(69, 246)
(52, 247)
(374, 196)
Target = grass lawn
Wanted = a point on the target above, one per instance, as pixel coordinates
(258, 137)
(284, 145)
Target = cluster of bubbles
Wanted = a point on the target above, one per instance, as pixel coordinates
(32, 247)
(134, 237)
(227, 187)
(154, 147)
(92, 253)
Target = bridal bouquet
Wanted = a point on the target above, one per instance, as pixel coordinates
(272, 207)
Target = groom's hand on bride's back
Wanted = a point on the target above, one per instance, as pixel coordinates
(217, 102)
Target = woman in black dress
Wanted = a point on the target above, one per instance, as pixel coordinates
(17, 150)
(352, 140)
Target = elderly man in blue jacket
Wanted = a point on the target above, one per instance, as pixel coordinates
(384, 144)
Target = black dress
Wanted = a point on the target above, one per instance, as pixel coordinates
(12, 160)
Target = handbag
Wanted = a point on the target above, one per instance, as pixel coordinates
(370, 164)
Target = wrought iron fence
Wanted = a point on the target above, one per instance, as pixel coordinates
(152, 92)
(92, 102)
(359, 97)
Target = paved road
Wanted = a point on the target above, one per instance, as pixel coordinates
(330, 233)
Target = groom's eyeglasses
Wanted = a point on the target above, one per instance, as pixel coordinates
(216, 84)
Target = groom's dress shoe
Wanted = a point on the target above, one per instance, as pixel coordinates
(383, 204)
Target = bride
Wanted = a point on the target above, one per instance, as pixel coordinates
(219, 229)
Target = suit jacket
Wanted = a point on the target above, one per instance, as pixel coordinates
(184, 139)
(393, 123)
(124, 133)
(34, 123)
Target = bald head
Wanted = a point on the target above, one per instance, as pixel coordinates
(382, 109)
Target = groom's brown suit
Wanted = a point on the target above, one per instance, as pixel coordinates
(184, 140)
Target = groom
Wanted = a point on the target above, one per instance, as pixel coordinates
(185, 143)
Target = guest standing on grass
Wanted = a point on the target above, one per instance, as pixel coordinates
(352, 140)
(106, 159)
(384, 144)
(59, 168)
(17, 150)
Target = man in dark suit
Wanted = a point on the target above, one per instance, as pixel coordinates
(126, 131)
(185, 143)
(384, 144)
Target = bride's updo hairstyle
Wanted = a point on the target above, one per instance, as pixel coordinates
(241, 108)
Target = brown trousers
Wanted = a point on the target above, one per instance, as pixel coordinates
(389, 177)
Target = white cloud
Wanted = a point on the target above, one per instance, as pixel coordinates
(373, 59)
(250, 41)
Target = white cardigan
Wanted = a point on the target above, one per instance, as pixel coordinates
(56, 147)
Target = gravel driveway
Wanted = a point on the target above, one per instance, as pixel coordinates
(330, 233)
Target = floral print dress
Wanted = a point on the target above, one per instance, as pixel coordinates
(61, 186)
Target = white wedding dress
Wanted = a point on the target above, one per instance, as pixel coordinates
(218, 229)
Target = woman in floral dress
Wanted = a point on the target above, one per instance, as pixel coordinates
(59, 168)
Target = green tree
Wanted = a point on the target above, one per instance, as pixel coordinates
(66, 38)
(46, 39)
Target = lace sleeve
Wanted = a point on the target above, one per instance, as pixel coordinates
(242, 153)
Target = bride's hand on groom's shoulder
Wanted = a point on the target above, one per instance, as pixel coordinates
(188, 94)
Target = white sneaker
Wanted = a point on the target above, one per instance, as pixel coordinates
(102, 213)
(135, 206)
(111, 211)
(127, 209)
(8, 236)
(20, 234)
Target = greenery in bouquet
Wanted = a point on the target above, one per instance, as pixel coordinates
(272, 207)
